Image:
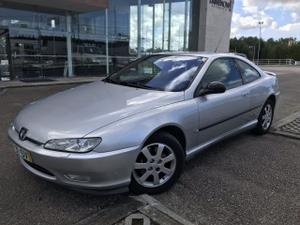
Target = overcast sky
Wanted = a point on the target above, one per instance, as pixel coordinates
(281, 18)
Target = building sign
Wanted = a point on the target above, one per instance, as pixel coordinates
(222, 4)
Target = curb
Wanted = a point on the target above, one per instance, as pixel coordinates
(159, 213)
(112, 214)
(126, 210)
(19, 84)
(276, 130)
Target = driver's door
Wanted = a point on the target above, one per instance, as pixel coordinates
(222, 113)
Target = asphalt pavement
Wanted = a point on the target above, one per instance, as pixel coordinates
(247, 179)
(26, 199)
(244, 180)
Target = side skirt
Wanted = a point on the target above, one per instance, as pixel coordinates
(194, 151)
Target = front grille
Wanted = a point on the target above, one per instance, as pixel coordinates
(33, 141)
(39, 168)
(30, 139)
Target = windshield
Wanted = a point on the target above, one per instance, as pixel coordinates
(159, 72)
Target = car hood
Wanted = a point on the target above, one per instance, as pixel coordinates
(78, 111)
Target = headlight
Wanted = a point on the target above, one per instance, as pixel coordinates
(79, 145)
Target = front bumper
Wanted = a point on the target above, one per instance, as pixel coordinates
(108, 171)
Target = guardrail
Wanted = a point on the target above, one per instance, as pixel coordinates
(276, 62)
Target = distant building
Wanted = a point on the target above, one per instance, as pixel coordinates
(292, 42)
(41, 38)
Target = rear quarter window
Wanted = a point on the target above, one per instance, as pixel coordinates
(248, 73)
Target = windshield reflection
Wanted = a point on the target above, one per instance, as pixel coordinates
(159, 72)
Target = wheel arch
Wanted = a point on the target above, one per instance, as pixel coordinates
(173, 129)
(272, 97)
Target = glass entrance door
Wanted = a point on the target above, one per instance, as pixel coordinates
(4, 55)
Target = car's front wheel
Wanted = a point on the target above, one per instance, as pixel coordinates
(265, 118)
(158, 165)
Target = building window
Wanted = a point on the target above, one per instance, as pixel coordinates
(38, 41)
(88, 44)
(122, 33)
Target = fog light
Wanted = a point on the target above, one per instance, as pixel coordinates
(77, 178)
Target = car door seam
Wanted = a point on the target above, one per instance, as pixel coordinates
(230, 118)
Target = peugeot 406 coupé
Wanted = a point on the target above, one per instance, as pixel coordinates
(136, 128)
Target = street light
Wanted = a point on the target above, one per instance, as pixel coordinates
(260, 23)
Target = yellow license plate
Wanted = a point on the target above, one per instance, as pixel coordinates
(24, 154)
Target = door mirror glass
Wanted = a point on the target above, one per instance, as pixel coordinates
(214, 87)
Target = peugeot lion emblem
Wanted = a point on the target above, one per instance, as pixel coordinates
(22, 134)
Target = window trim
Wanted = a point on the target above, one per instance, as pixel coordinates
(240, 70)
(224, 57)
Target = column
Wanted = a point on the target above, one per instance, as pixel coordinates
(169, 31)
(106, 41)
(185, 25)
(139, 38)
(69, 44)
(153, 28)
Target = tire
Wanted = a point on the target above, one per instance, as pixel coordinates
(158, 165)
(265, 122)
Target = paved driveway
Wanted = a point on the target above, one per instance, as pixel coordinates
(244, 180)
(26, 199)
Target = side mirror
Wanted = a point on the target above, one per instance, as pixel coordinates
(214, 87)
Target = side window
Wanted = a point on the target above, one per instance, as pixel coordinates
(225, 71)
(249, 74)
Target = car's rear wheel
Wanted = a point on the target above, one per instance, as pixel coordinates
(158, 165)
(265, 118)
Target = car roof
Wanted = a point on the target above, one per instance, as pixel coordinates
(201, 54)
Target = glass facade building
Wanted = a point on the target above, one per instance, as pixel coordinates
(34, 44)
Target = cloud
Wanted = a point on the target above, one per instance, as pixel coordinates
(274, 25)
(295, 16)
(250, 21)
(245, 22)
(234, 32)
(291, 27)
(274, 31)
(273, 4)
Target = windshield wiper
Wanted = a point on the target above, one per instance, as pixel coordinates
(135, 84)
(129, 84)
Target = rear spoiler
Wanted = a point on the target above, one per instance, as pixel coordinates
(271, 73)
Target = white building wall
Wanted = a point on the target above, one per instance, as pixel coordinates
(215, 25)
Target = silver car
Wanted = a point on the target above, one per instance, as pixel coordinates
(136, 128)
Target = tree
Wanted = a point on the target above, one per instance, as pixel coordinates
(284, 48)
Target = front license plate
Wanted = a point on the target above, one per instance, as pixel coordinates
(24, 154)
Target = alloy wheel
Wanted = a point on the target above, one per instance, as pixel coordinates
(155, 165)
(267, 116)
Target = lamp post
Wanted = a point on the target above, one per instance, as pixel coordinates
(260, 23)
